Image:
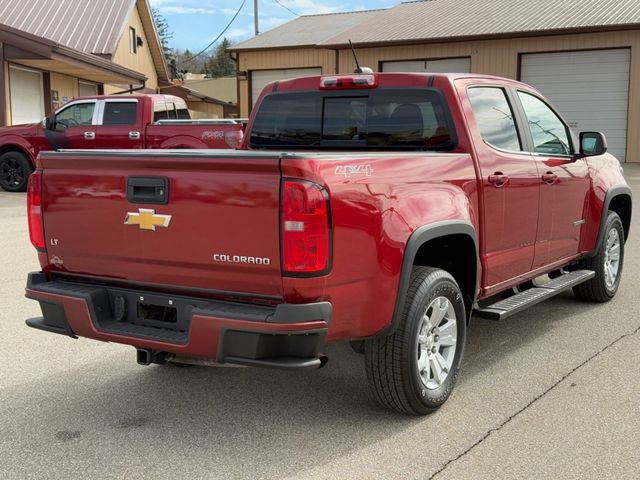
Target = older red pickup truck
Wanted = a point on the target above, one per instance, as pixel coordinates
(116, 121)
(383, 209)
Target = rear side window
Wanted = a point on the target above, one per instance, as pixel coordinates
(494, 118)
(380, 119)
(159, 111)
(120, 113)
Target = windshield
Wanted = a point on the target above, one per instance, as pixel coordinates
(374, 119)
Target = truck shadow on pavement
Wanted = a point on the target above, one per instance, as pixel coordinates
(229, 415)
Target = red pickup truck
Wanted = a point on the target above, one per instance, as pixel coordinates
(383, 209)
(116, 121)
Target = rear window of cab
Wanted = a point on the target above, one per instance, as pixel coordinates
(410, 119)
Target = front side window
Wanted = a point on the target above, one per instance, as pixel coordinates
(494, 118)
(549, 133)
(120, 113)
(79, 114)
(370, 119)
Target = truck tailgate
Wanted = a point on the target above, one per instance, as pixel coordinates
(217, 228)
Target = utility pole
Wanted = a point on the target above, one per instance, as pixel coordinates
(255, 16)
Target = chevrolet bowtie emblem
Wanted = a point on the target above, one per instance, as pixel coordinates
(147, 219)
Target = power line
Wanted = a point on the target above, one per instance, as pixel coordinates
(217, 38)
(286, 8)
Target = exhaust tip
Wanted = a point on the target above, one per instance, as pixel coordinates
(323, 360)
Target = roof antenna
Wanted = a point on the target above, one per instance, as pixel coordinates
(355, 57)
(358, 70)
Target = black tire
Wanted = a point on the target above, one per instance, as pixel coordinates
(597, 289)
(357, 346)
(392, 362)
(15, 169)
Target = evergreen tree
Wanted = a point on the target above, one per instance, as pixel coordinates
(164, 34)
(220, 63)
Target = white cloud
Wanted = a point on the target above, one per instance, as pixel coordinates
(232, 11)
(175, 10)
(240, 33)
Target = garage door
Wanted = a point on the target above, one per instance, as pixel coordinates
(589, 88)
(444, 65)
(27, 103)
(260, 78)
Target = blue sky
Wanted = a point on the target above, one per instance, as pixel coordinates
(195, 23)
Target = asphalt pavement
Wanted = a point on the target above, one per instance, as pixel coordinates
(551, 393)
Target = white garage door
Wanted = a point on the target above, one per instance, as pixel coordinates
(589, 88)
(444, 65)
(260, 78)
(27, 103)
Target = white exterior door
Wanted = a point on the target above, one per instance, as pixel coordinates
(444, 65)
(260, 78)
(589, 88)
(27, 101)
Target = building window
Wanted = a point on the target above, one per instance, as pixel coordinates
(133, 44)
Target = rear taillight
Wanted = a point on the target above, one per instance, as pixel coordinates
(34, 209)
(306, 230)
(233, 138)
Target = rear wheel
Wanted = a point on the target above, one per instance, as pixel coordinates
(607, 263)
(15, 169)
(414, 370)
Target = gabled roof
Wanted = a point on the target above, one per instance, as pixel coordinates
(449, 20)
(308, 30)
(90, 26)
(440, 20)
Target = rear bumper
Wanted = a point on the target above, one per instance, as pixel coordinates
(285, 336)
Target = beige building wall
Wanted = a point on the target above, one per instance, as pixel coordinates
(205, 110)
(494, 57)
(7, 109)
(141, 61)
(225, 89)
(66, 86)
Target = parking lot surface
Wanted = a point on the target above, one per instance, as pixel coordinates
(553, 392)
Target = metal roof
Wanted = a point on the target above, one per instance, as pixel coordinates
(439, 20)
(308, 30)
(88, 26)
(443, 20)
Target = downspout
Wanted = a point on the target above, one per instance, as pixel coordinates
(131, 90)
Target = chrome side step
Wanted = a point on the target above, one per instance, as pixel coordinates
(523, 300)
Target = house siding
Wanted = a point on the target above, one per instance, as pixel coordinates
(141, 61)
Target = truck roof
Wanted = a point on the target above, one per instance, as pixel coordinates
(153, 96)
(388, 79)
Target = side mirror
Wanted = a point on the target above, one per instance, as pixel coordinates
(592, 144)
(48, 123)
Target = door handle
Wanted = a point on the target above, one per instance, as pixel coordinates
(89, 135)
(134, 135)
(549, 177)
(498, 179)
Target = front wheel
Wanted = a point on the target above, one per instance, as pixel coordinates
(607, 263)
(15, 169)
(415, 369)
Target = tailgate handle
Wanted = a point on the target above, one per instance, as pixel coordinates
(153, 190)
